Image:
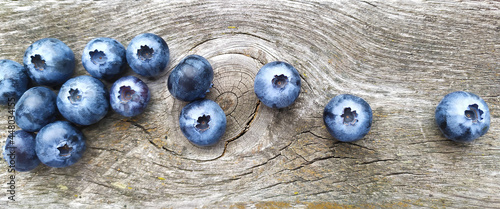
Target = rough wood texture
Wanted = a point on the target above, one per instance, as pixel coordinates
(402, 57)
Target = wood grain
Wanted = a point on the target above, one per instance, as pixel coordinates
(400, 56)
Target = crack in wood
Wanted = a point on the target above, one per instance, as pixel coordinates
(425, 142)
(276, 184)
(361, 146)
(105, 149)
(264, 163)
(402, 173)
(369, 3)
(150, 138)
(275, 156)
(177, 168)
(376, 161)
(477, 199)
(324, 192)
(62, 174)
(326, 158)
(245, 130)
(249, 55)
(121, 171)
(315, 135)
(172, 152)
(309, 162)
(239, 176)
(253, 35)
(200, 43)
(100, 184)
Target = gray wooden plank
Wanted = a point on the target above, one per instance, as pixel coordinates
(400, 56)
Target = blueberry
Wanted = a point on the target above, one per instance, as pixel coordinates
(462, 116)
(35, 109)
(19, 151)
(148, 54)
(83, 100)
(49, 62)
(202, 122)
(104, 58)
(13, 81)
(191, 78)
(348, 118)
(129, 96)
(277, 84)
(60, 144)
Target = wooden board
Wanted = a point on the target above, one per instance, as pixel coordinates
(400, 56)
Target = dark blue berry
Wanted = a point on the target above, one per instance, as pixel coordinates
(35, 109)
(13, 81)
(129, 96)
(19, 151)
(191, 78)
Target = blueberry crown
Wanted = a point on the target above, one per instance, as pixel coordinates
(474, 113)
(349, 116)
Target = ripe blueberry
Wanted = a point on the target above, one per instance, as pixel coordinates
(35, 109)
(148, 54)
(83, 100)
(49, 62)
(60, 144)
(348, 118)
(462, 116)
(191, 78)
(19, 151)
(13, 81)
(277, 84)
(129, 96)
(104, 58)
(202, 122)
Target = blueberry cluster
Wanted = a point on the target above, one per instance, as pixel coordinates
(202, 121)
(49, 119)
(84, 100)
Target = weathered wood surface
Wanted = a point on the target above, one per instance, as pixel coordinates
(402, 57)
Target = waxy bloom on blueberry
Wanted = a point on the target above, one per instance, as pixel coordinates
(83, 100)
(49, 62)
(60, 144)
(148, 54)
(104, 58)
(348, 118)
(462, 116)
(277, 84)
(19, 151)
(203, 122)
(129, 96)
(13, 81)
(35, 109)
